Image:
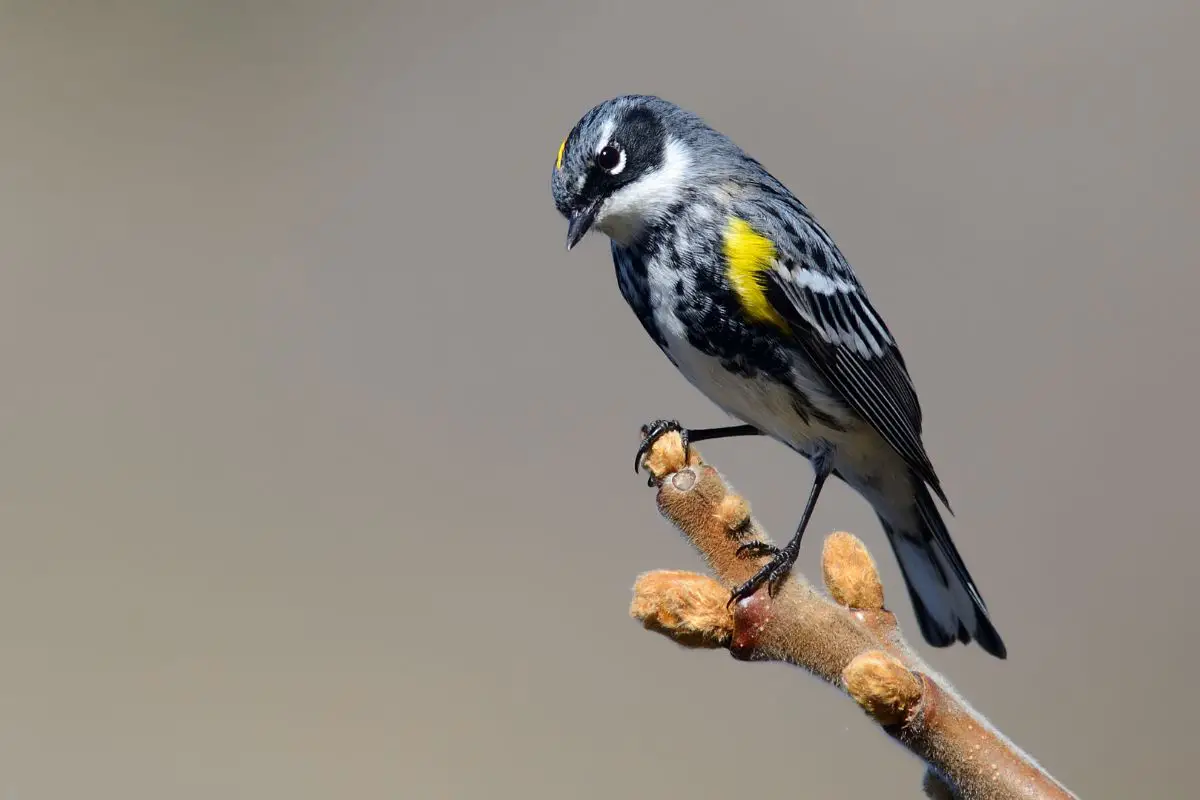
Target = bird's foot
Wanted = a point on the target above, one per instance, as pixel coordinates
(756, 550)
(652, 433)
(772, 573)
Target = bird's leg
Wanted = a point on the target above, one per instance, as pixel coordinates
(775, 570)
(655, 430)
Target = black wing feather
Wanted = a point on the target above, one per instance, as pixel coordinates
(849, 345)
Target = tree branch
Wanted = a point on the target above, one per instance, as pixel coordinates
(851, 641)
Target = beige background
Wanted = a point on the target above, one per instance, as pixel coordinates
(316, 444)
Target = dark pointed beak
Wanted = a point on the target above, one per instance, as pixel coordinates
(580, 222)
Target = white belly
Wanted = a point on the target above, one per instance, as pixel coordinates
(861, 456)
(763, 403)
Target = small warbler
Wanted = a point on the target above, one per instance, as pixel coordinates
(749, 297)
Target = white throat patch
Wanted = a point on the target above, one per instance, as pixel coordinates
(648, 198)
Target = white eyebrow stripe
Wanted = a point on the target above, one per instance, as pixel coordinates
(606, 132)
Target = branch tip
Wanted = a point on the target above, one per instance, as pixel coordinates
(667, 456)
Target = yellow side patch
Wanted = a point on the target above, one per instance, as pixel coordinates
(562, 147)
(748, 256)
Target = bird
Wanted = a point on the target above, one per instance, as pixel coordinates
(749, 297)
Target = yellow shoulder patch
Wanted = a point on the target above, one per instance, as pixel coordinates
(562, 147)
(748, 256)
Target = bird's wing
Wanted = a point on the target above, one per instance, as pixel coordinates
(813, 289)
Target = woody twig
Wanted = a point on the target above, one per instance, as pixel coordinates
(849, 639)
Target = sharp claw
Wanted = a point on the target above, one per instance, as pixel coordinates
(652, 433)
(647, 442)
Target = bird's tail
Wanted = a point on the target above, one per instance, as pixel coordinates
(947, 604)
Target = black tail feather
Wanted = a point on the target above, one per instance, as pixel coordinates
(947, 604)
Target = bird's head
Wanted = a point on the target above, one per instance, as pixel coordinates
(627, 162)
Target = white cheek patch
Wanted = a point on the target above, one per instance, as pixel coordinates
(648, 198)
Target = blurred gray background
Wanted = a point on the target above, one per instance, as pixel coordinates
(316, 444)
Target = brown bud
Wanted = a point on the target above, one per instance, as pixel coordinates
(689, 608)
(885, 688)
(734, 513)
(850, 573)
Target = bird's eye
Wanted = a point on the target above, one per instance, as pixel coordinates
(611, 159)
